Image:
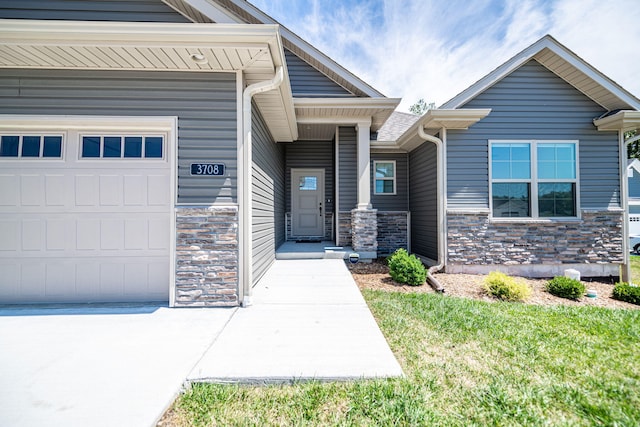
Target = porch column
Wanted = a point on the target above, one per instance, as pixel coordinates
(364, 169)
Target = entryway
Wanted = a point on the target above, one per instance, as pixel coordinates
(307, 197)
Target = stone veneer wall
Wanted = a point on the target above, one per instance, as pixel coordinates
(364, 232)
(206, 256)
(392, 232)
(596, 238)
(344, 228)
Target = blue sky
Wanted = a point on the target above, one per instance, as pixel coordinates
(434, 49)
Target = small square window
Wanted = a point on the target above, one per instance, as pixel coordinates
(91, 146)
(30, 146)
(52, 146)
(153, 147)
(133, 146)
(112, 146)
(385, 177)
(9, 146)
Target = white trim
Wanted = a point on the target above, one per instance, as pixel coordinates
(624, 204)
(336, 202)
(214, 12)
(393, 179)
(533, 180)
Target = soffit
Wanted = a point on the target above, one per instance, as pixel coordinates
(344, 111)
(254, 49)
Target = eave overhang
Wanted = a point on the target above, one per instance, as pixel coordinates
(435, 120)
(621, 121)
(319, 116)
(256, 50)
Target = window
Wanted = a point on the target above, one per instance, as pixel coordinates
(532, 179)
(31, 146)
(385, 177)
(117, 147)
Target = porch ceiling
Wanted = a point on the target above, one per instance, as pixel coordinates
(254, 49)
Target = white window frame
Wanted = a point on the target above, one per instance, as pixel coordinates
(143, 135)
(394, 179)
(40, 158)
(533, 180)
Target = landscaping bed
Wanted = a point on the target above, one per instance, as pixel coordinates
(375, 275)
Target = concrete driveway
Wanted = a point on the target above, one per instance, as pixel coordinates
(98, 366)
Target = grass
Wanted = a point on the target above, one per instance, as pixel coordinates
(635, 268)
(468, 363)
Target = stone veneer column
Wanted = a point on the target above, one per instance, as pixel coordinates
(206, 256)
(364, 232)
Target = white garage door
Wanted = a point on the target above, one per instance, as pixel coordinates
(84, 216)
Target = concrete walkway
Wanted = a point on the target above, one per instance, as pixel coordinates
(308, 321)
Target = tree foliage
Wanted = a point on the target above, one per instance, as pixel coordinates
(633, 149)
(421, 107)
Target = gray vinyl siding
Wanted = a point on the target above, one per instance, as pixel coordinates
(400, 200)
(423, 187)
(205, 104)
(268, 197)
(94, 10)
(308, 82)
(533, 103)
(348, 172)
(311, 155)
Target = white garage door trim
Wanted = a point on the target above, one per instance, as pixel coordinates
(72, 127)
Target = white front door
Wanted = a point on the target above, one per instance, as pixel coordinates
(307, 197)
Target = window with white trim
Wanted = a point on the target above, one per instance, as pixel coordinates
(534, 179)
(31, 146)
(385, 177)
(119, 146)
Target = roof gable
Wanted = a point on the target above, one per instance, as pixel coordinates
(565, 64)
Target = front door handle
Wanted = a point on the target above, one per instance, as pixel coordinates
(320, 207)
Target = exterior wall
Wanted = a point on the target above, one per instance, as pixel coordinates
(348, 181)
(206, 256)
(423, 187)
(94, 10)
(393, 228)
(399, 201)
(268, 197)
(593, 244)
(308, 82)
(634, 184)
(205, 104)
(532, 103)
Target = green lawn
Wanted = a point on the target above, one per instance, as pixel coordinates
(467, 362)
(635, 269)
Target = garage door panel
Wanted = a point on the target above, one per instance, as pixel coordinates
(32, 232)
(134, 190)
(87, 234)
(158, 236)
(110, 190)
(112, 279)
(157, 194)
(112, 234)
(59, 280)
(86, 190)
(55, 190)
(57, 233)
(32, 190)
(32, 280)
(9, 190)
(136, 234)
(10, 232)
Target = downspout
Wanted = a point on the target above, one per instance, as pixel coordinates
(245, 185)
(440, 200)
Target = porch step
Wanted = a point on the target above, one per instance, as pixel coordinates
(323, 250)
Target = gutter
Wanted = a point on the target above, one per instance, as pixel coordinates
(440, 173)
(245, 185)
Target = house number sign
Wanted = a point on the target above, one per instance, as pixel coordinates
(207, 169)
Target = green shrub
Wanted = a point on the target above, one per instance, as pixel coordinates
(506, 287)
(405, 268)
(627, 292)
(566, 287)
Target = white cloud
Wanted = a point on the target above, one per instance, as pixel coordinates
(433, 50)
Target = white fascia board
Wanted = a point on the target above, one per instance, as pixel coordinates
(521, 58)
(307, 47)
(622, 120)
(355, 103)
(151, 34)
(53, 122)
(215, 12)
